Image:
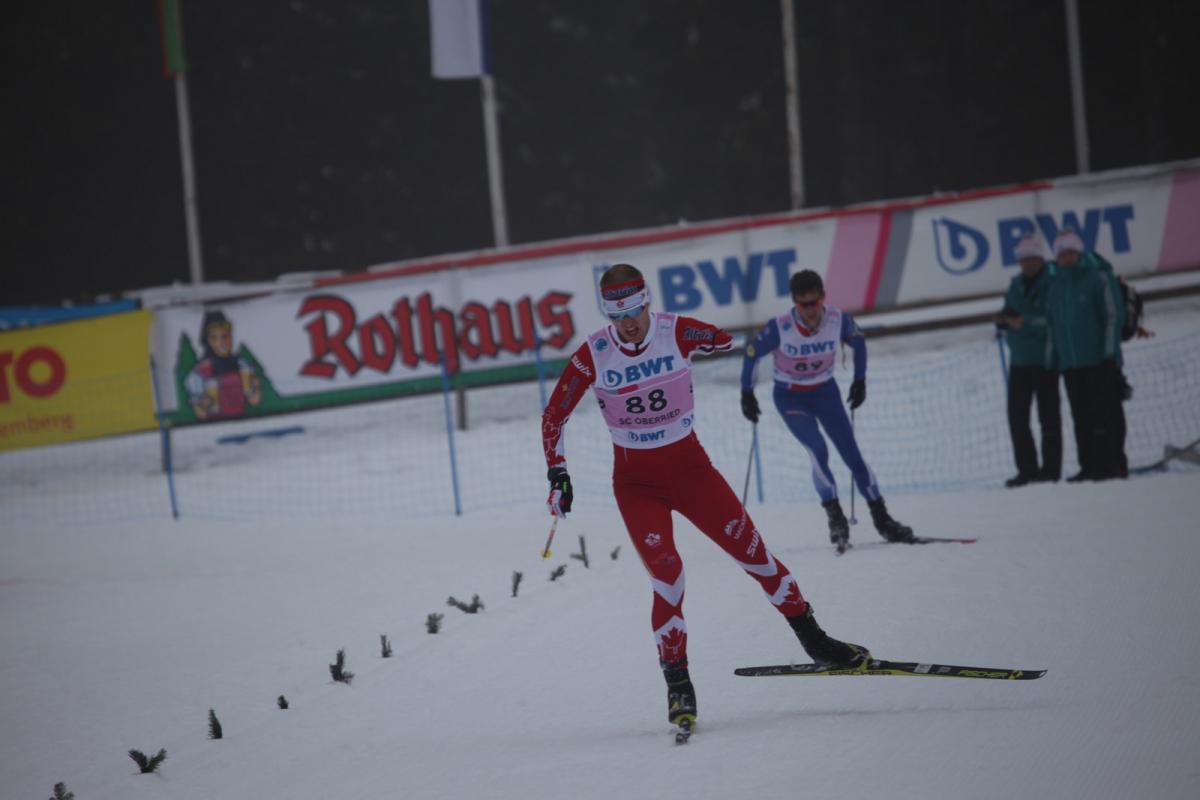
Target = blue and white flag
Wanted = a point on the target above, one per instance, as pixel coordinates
(456, 39)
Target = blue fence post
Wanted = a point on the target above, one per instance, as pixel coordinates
(450, 435)
(1003, 362)
(758, 479)
(165, 436)
(540, 365)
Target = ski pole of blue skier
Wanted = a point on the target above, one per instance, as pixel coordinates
(165, 435)
(758, 479)
(450, 435)
(853, 520)
(1003, 363)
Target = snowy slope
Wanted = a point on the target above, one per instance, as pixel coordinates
(123, 635)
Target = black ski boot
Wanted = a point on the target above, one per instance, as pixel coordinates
(888, 528)
(822, 648)
(681, 697)
(839, 528)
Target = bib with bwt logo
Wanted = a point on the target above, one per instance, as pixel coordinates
(646, 399)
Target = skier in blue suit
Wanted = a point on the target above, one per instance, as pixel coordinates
(804, 341)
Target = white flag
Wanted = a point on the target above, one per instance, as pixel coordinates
(455, 38)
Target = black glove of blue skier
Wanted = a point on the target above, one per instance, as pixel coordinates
(750, 408)
(858, 394)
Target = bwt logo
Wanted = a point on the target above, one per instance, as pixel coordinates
(682, 285)
(961, 249)
(808, 349)
(635, 372)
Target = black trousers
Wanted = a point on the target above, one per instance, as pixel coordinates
(1024, 385)
(1095, 396)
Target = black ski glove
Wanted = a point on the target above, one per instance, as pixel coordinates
(858, 394)
(561, 494)
(750, 408)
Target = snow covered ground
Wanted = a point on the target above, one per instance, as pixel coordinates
(121, 635)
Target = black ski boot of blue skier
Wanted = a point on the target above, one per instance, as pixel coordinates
(888, 528)
(839, 528)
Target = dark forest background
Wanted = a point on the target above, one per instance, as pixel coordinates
(322, 142)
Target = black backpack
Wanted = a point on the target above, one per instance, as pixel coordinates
(1133, 310)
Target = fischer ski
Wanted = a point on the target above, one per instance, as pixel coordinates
(882, 667)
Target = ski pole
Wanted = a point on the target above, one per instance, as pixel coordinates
(852, 520)
(750, 462)
(550, 538)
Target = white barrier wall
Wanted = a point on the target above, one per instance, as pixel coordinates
(379, 332)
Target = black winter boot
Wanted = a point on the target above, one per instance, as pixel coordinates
(888, 528)
(822, 648)
(681, 697)
(839, 528)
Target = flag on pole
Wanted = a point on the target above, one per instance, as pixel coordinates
(456, 39)
(172, 37)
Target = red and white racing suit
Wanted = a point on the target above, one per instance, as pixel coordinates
(659, 466)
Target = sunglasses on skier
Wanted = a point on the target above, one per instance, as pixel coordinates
(629, 312)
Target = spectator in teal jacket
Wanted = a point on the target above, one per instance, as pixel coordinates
(1083, 312)
(1023, 319)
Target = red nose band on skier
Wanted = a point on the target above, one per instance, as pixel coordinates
(624, 299)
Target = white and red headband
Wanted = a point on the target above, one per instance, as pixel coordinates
(624, 299)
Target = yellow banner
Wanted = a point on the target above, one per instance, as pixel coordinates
(76, 380)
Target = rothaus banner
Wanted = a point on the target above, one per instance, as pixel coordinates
(492, 316)
(369, 338)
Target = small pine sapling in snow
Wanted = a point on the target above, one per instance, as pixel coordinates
(558, 572)
(516, 582)
(338, 669)
(582, 554)
(467, 608)
(433, 623)
(148, 765)
(385, 647)
(613, 554)
(61, 793)
(214, 726)
(282, 703)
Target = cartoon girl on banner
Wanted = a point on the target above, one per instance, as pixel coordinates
(221, 385)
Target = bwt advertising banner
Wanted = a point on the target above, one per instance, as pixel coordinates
(968, 248)
(76, 380)
(366, 337)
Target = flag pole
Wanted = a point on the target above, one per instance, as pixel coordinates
(195, 261)
(1078, 104)
(792, 93)
(173, 67)
(491, 133)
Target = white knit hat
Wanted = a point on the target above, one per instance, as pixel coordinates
(1067, 240)
(1030, 246)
